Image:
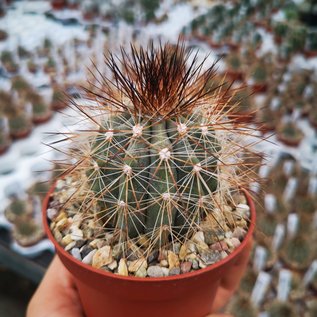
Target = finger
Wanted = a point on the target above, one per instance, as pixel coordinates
(56, 295)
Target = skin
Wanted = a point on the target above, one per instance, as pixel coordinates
(57, 295)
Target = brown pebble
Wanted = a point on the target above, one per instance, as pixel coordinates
(186, 267)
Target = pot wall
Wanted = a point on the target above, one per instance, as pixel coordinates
(104, 294)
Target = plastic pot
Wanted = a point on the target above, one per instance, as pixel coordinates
(105, 294)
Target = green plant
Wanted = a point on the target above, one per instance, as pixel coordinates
(298, 252)
(297, 38)
(27, 231)
(20, 124)
(3, 35)
(41, 110)
(312, 41)
(241, 306)
(18, 208)
(259, 74)
(4, 133)
(234, 62)
(20, 85)
(281, 29)
(163, 160)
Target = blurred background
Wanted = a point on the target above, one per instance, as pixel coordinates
(47, 47)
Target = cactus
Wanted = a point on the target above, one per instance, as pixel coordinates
(289, 134)
(41, 111)
(18, 208)
(281, 309)
(241, 306)
(163, 159)
(20, 125)
(27, 232)
(4, 134)
(298, 253)
(3, 35)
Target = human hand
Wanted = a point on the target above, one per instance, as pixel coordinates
(57, 295)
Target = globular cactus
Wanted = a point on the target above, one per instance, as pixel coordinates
(163, 158)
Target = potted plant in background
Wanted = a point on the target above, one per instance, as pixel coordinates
(311, 44)
(280, 32)
(41, 111)
(58, 99)
(5, 140)
(3, 35)
(234, 67)
(258, 77)
(8, 62)
(289, 134)
(153, 212)
(20, 124)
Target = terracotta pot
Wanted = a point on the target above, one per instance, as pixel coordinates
(289, 142)
(58, 4)
(185, 295)
(39, 119)
(20, 134)
(259, 88)
(310, 54)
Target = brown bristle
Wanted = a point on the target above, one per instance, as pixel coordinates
(160, 82)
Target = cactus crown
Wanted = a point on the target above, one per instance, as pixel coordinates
(162, 156)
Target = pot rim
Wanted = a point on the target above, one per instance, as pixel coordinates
(184, 276)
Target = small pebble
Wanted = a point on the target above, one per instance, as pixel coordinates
(153, 256)
(243, 210)
(76, 253)
(202, 265)
(102, 257)
(186, 267)
(164, 263)
(201, 247)
(88, 258)
(198, 237)
(219, 246)
(134, 266)
(67, 240)
(117, 251)
(176, 248)
(210, 257)
(52, 213)
(57, 235)
(122, 268)
(70, 246)
(173, 260)
(86, 249)
(62, 224)
(94, 242)
(239, 233)
(235, 242)
(79, 243)
(183, 252)
(113, 265)
(166, 271)
(155, 271)
(62, 215)
(77, 234)
(174, 271)
(142, 272)
(195, 265)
